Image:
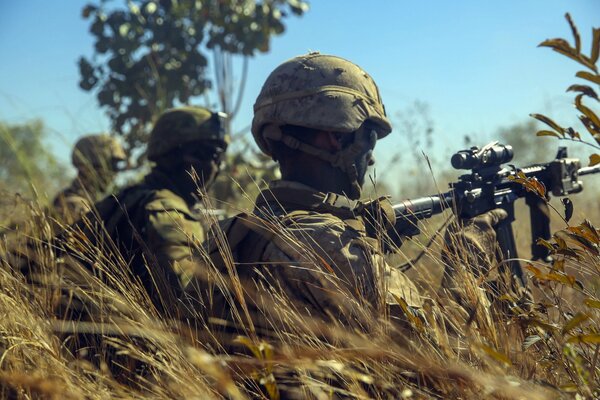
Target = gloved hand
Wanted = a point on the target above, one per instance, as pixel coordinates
(378, 216)
(381, 223)
(471, 245)
(474, 238)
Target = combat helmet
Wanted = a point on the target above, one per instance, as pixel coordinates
(185, 125)
(321, 92)
(98, 151)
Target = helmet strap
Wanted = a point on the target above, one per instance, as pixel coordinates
(343, 159)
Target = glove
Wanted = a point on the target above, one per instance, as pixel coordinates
(381, 223)
(472, 243)
(474, 238)
(378, 215)
(468, 255)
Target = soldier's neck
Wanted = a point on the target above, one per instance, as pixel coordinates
(181, 184)
(325, 180)
(90, 184)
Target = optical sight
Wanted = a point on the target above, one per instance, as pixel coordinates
(493, 154)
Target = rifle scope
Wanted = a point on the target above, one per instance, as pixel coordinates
(492, 155)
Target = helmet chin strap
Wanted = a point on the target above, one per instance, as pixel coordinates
(343, 159)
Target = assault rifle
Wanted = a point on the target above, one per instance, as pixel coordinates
(490, 184)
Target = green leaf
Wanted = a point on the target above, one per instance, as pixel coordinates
(495, 354)
(587, 339)
(574, 322)
(548, 133)
(588, 76)
(592, 303)
(536, 271)
(595, 45)
(586, 90)
(559, 129)
(575, 32)
(586, 111)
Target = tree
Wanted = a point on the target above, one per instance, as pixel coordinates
(588, 117)
(527, 148)
(153, 54)
(28, 167)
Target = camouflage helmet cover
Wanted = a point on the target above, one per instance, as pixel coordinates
(184, 125)
(318, 91)
(97, 150)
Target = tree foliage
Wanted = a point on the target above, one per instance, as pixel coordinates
(27, 164)
(526, 146)
(588, 117)
(153, 54)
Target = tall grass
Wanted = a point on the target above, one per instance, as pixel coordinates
(469, 351)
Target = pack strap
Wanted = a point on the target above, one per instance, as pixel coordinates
(300, 199)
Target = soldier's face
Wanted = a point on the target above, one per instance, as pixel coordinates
(365, 140)
(206, 161)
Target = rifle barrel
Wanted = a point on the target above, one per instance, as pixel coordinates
(588, 170)
(423, 207)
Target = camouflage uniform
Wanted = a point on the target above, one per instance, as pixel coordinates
(152, 223)
(96, 158)
(311, 248)
(301, 246)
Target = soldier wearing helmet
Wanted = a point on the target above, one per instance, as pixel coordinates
(310, 241)
(152, 223)
(306, 243)
(97, 158)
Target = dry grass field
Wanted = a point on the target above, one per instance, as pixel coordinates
(472, 352)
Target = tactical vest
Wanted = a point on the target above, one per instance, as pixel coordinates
(249, 234)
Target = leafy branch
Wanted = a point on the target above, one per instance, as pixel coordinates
(588, 117)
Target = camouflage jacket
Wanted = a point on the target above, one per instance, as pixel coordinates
(155, 233)
(73, 202)
(300, 249)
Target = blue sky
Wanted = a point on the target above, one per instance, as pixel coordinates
(475, 63)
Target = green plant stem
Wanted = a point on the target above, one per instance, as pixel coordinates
(595, 146)
(594, 362)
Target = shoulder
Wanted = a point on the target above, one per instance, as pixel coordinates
(320, 226)
(169, 217)
(71, 205)
(164, 201)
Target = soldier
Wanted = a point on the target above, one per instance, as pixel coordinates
(308, 243)
(97, 158)
(307, 246)
(151, 223)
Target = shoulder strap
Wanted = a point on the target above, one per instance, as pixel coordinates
(113, 208)
(165, 200)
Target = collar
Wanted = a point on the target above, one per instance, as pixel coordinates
(158, 179)
(291, 196)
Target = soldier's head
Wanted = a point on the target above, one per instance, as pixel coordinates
(98, 158)
(187, 138)
(321, 110)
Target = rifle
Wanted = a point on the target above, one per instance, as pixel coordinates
(490, 185)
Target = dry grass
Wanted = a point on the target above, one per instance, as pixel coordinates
(453, 352)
